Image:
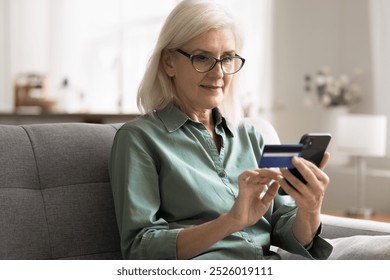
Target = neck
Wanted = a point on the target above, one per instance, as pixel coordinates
(202, 116)
(205, 117)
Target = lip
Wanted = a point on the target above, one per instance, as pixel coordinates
(211, 87)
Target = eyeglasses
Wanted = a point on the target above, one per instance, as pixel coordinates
(204, 63)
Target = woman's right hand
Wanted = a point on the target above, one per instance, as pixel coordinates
(254, 197)
(251, 204)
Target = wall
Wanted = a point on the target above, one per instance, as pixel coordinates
(309, 34)
(342, 192)
(380, 26)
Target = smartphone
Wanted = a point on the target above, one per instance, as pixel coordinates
(314, 147)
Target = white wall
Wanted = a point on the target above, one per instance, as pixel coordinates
(341, 194)
(380, 27)
(309, 34)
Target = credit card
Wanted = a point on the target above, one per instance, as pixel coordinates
(279, 156)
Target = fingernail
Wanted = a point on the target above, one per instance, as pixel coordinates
(295, 158)
(280, 177)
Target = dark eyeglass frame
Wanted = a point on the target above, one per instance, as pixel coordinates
(216, 60)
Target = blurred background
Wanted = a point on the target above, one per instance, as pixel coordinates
(309, 63)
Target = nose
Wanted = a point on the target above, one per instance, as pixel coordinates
(217, 70)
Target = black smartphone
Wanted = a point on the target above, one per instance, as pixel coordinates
(314, 147)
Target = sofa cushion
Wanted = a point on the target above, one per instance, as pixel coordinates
(17, 164)
(68, 154)
(361, 247)
(23, 229)
(358, 247)
(81, 220)
(55, 195)
(334, 227)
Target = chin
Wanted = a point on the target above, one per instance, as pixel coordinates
(214, 103)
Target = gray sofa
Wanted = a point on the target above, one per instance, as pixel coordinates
(56, 201)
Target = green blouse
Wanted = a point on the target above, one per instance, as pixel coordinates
(167, 174)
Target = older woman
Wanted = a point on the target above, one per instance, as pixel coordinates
(184, 176)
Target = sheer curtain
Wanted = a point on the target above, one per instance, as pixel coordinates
(101, 48)
(380, 30)
(116, 50)
(104, 46)
(5, 99)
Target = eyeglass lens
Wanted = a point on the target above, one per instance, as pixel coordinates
(204, 63)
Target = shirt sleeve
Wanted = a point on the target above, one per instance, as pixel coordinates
(283, 237)
(135, 186)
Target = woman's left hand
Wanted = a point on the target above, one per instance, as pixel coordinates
(308, 197)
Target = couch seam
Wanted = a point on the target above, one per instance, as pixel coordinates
(90, 254)
(54, 187)
(76, 184)
(40, 189)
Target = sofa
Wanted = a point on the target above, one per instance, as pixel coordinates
(56, 200)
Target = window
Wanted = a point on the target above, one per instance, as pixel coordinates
(105, 48)
(101, 48)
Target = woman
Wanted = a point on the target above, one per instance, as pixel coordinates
(185, 181)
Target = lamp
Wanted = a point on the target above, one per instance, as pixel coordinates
(362, 136)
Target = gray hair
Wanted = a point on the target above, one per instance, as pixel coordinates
(187, 20)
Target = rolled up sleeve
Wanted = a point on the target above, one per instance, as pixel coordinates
(283, 237)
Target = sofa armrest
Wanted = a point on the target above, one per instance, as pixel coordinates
(335, 227)
(352, 239)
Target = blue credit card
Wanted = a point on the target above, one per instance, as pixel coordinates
(279, 156)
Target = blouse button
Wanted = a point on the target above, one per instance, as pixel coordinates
(222, 174)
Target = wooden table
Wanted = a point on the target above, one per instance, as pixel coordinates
(15, 119)
(380, 217)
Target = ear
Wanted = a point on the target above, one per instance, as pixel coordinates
(168, 64)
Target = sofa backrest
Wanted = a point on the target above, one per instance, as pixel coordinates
(264, 127)
(55, 195)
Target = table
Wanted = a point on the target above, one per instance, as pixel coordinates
(15, 119)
